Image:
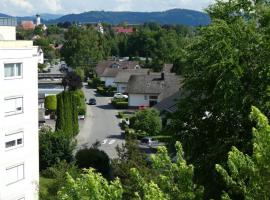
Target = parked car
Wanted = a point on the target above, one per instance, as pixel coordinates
(148, 141)
(120, 96)
(92, 101)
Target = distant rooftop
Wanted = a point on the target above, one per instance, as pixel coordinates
(8, 21)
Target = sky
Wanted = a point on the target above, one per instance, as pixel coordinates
(30, 7)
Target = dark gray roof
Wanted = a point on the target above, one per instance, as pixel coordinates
(110, 68)
(154, 84)
(124, 76)
(169, 104)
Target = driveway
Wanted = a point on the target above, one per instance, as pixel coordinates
(100, 125)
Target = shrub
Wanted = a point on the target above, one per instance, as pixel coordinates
(105, 91)
(94, 158)
(51, 103)
(53, 146)
(120, 104)
(120, 115)
(147, 120)
(81, 102)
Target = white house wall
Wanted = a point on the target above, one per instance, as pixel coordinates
(27, 87)
(109, 81)
(135, 100)
(121, 87)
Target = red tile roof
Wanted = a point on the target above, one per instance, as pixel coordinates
(121, 29)
(28, 25)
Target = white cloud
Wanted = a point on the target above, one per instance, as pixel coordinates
(24, 4)
(53, 5)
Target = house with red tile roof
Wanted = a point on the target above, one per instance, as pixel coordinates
(28, 25)
(121, 29)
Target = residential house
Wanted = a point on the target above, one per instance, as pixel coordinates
(150, 89)
(108, 70)
(27, 25)
(122, 78)
(169, 104)
(19, 163)
(123, 30)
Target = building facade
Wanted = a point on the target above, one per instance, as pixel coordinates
(19, 163)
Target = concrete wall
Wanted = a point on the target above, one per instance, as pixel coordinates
(27, 87)
(7, 33)
(120, 87)
(135, 100)
(109, 81)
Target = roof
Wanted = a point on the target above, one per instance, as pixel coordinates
(121, 29)
(27, 25)
(124, 76)
(111, 68)
(154, 84)
(169, 104)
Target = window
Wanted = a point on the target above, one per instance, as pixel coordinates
(13, 106)
(13, 70)
(145, 97)
(153, 97)
(14, 173)
(14, 140)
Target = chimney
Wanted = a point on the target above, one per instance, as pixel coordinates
(162, 76)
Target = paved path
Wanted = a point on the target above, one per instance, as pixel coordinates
(100, 125)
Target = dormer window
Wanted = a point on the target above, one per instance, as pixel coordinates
(137, 67)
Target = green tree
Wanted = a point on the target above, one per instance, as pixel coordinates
(147, 120)
(227, 71)
(175, 179)
(67, 113)
(82, 47)
(94, 158)
(73, 81)
(130, 156)
(91, 186)
(53, 146)
(247, 176)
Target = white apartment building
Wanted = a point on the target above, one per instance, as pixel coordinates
(19, 157)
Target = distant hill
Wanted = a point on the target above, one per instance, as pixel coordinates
(175, 16)
(3, 15)
(44, 17)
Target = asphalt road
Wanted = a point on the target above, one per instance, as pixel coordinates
(100, 124)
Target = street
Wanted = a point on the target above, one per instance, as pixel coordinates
(100, 124)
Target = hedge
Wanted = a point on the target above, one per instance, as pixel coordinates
(106, 91)
(120, 104)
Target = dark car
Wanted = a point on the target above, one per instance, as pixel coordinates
(92, 101)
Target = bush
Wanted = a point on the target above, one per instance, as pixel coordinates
(147, 120)
(81, 102)
(119, 104)
(51, 103)
(106, 91)
(94, 158)
(120, 115)
(53, 146)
